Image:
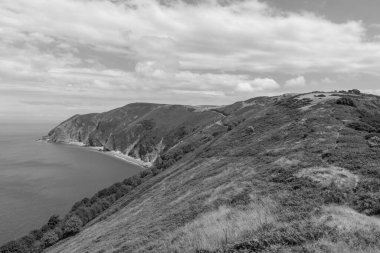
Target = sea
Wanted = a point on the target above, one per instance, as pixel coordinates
(39, 179)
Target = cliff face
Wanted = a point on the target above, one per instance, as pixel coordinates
(293, 173)
(141, 130)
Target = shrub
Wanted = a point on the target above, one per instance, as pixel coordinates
(346, 101)
(144, 173)
(241, 199)
(354, 91)
(370, 117)
(45, 228)
(53, 221)
(361, 126)
(13, 247)
(28, 240)
(133, 181)
(49, 238)
(367, 203)
(59, 232)
(156, 171)
(72, 226)
(334, 195)
(148, 124)
(37, 234)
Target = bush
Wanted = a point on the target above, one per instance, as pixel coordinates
(37, 234)
(367, 203)
(334, 195)
(148, 124)
(144, 173)
(133, 181)
(28, 241)
(49, 239)
(354, 91)
(361, 126)
(72, 226)
(370, 117)
(13, 247)
(59, 232)
(53, 221)
(241, 199)
(346, 101)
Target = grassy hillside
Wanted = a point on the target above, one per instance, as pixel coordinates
(293, 173)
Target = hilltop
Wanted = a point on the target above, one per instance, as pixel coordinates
(290, 173)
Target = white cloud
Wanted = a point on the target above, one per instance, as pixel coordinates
(248, 35)
(258, 84)
(109, 49)
(327, 80)
(296, 82)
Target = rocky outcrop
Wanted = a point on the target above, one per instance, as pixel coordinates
(374, 141)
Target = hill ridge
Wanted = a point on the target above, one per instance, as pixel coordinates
(293, 173)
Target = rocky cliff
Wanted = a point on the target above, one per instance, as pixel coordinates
(141, 130)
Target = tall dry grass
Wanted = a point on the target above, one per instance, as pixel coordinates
(357, 232)
(216, 229)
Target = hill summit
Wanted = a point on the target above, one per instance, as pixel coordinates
(290, 173)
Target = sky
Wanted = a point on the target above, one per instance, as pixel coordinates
(63, 57)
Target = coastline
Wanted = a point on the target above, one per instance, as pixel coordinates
(116, 154)
(126, 158)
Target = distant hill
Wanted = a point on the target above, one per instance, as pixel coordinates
(140, 130)
(290, 173)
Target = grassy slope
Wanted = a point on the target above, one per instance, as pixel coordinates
(246, 189)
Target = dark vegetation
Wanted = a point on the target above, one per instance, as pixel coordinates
(294, 103)
(345, 101)
(81, 213)
(369, 121)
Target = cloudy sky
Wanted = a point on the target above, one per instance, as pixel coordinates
(62, 57)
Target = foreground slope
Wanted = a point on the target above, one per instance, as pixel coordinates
(293, 173)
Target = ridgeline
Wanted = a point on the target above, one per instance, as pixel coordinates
(291, 173)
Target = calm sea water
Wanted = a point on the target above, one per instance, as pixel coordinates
(38, 179)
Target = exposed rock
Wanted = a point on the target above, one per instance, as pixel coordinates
(250, 130)
(374, 141)
(285, 162)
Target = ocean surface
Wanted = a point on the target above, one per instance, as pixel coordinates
(38, 179)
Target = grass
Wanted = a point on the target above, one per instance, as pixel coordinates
(217, 228)
(342, 178)
(278, 189)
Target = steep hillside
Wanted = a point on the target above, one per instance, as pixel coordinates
(292, 173)
(143, 131)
